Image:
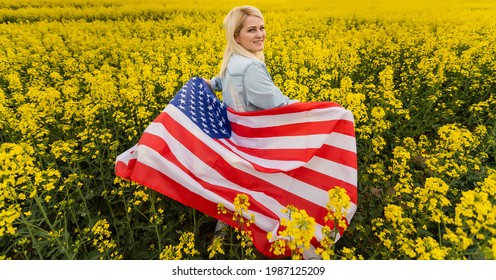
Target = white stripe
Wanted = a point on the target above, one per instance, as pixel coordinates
(342, 141)
(351, 211)
(334, 169)
(315, 115)
(283, 165)
(287, 142)
(126, 156)
(315, 141)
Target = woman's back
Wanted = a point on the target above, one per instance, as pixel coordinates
(247, 86)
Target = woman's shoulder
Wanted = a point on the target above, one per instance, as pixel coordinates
(238, 64)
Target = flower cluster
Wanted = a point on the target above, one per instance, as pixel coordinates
(298, 231)
(242, 232)
(184, 250)
(101, 239)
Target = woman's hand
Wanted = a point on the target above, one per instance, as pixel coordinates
(208, 82)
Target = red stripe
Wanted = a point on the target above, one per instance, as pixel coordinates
(338, 155)
(297, 129)
(323, 181)
(291, 108)
(275, 154)
(331, 153)
(124, 170)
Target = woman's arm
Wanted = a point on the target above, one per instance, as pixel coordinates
(214, 83)
(261, 90)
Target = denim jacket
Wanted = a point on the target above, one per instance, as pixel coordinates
(247, 86)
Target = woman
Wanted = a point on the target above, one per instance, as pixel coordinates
(244, 80)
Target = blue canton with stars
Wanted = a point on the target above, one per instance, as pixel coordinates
(197, 101)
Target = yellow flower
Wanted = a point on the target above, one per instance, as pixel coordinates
(298, 231)
(185, 249)
(216, 247)
(102, 236)
(337, 206)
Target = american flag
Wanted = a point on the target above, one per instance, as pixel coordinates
(202, 153)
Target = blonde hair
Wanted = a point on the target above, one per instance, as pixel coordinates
(233, 23)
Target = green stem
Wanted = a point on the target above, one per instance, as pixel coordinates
(155, 225)
(50, 225)
(128, 225)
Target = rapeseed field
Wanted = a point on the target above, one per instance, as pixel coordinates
(81, 79)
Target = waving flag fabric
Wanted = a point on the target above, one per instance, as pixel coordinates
(201, 153)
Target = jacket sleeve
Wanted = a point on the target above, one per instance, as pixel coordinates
(216, 84)
(261, 90)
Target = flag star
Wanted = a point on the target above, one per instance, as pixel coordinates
(194, 119)
(192, 107)
(182, 107)
(182, 100)
(203, 119)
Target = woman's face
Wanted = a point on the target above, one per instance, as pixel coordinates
(252, 35)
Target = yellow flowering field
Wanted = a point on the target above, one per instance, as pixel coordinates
(81, 79)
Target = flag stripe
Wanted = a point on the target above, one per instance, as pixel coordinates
(307, 112)
(332, 153)
(295, 142)
(323, 181)
(299, 129)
